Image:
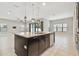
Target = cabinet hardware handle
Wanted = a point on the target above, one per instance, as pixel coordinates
(25, 47)
(35, 38)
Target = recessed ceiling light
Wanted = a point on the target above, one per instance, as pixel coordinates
(16, 6)
(9, 12)
(43, 3)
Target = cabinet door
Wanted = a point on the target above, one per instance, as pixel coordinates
(47, 41)
(78, 13)
(41, 44)
(33, 46)
(20, 42)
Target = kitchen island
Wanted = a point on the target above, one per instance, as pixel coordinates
(31, 44)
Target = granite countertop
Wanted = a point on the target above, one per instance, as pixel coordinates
(31, 34)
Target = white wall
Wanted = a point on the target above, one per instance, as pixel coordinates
(69, 22)
(46, 25)
(7, 39)
(10, 24)
(75, 21)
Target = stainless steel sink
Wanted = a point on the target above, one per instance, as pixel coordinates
(38, 32)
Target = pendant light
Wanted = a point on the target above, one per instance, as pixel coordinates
(38, 12)
(33, 19)
(25, 13)
(25, 22)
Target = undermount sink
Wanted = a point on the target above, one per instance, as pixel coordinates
(38, 32)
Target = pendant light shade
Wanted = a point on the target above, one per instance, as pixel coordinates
(33, 12)
(25, 17)
(25, 12)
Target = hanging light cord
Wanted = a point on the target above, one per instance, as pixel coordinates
(25, 12)
(25, 24)
(33, 9)
(38, 11)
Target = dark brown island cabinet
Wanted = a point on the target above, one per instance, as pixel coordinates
(31, 44)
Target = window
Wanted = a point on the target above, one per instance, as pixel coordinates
(3, 27)
(60, 27)
(54, 27)
(64, 27)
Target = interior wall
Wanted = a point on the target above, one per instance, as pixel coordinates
(7, 39)
(46, 25)
(10, 24)
(69, 22)
(75, 23)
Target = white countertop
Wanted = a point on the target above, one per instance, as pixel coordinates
(32, 34)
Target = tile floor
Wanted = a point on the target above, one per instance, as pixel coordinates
(64, 46)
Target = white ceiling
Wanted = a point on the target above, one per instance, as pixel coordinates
(51, 10)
